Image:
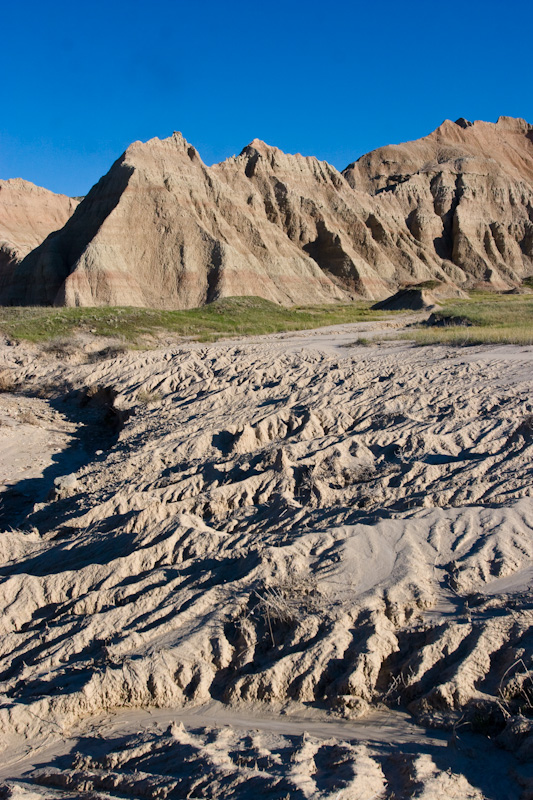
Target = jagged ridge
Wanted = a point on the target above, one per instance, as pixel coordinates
(163, 229)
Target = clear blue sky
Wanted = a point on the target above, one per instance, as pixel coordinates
(81, 80)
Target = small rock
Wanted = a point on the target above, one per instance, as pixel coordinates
(64, 486)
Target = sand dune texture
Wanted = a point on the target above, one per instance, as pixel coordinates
(28, 214)
(293, 522)
(162, 229)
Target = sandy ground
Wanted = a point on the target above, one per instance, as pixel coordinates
(293, 564)
(217, 750)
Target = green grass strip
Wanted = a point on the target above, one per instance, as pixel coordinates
(233, 316)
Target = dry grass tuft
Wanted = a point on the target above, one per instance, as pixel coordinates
(288, 601)
(107, 353)
(27, 417)
(146, 397)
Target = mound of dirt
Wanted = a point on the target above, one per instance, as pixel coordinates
(411, 299)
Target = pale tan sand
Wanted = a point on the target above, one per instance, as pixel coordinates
(31, 433)
(285, 524)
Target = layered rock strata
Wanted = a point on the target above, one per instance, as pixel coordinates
(162, 229)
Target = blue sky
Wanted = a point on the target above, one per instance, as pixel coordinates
(333, 79)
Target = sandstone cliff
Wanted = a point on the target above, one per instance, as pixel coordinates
(28, 214)
(465, 191)
(162, 229)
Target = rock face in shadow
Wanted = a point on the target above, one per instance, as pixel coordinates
(162, 229)
(465, 191)
(28, 214)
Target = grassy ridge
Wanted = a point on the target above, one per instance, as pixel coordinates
(228, 317)
(483, 318)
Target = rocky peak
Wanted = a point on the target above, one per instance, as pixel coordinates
(463, 123)
(513, 124)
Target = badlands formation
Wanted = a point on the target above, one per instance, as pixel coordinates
(465, 191)
(162, 229)
(298, 564)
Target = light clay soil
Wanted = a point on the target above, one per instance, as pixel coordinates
(290, 564)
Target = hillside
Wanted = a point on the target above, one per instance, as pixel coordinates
(28, 214)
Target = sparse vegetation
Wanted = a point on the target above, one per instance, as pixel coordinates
(67, 348)
(233, 316)
(483, 318)
(288, 601)
(432, 283)
(362, 341)
(516, 692)
(60, 347)
(112, 351)
(28, 417)
(50, 389)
